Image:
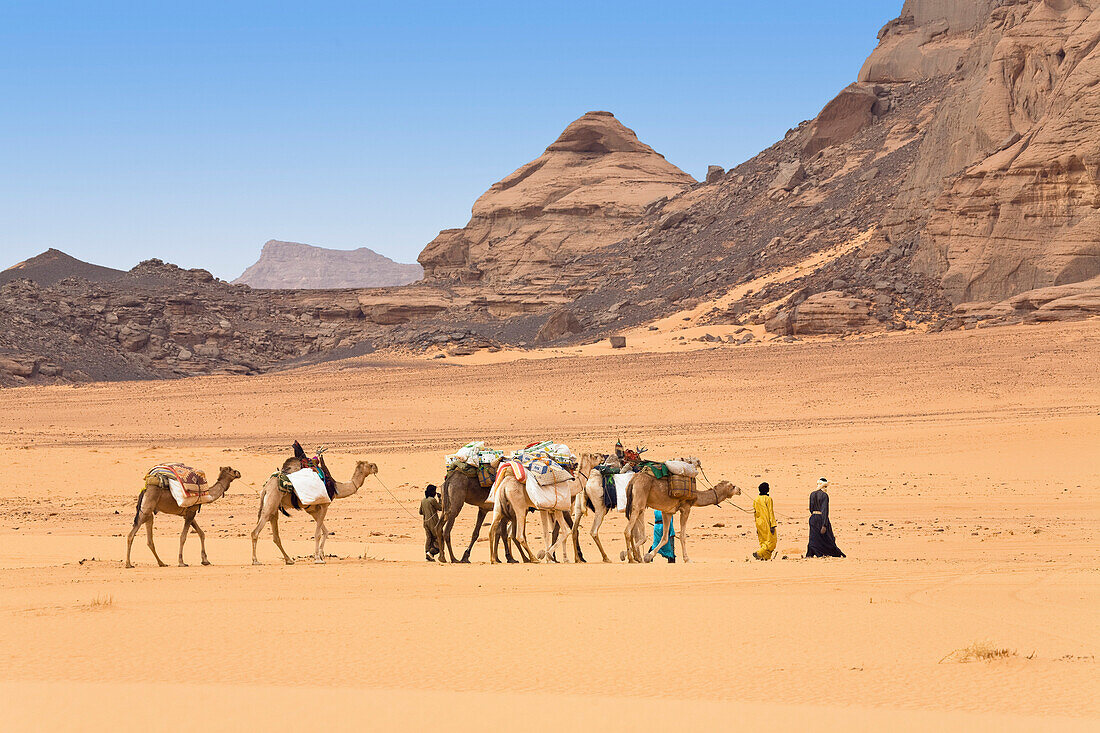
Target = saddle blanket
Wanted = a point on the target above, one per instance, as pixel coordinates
(309, 487)
(188, 485)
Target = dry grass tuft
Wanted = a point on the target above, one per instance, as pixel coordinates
(979, 651)
(100, 603)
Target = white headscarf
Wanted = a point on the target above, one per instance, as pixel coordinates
(823, 484)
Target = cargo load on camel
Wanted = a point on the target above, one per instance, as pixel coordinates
(546, 469)
(475, 460)
(188, 485)
(680, 475)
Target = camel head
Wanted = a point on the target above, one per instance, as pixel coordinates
(366, 468)
(228, 475)
(724, 490)
(589, 460)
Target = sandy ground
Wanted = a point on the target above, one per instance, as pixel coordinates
(964, 472)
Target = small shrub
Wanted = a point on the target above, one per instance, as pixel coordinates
(980, 651)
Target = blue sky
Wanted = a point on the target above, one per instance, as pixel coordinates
(195, 131)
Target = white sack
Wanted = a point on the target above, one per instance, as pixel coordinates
(309, 487)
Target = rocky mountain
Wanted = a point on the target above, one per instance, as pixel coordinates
(53, 265)
(583, 193)
(290, 265)
(955, 181)
(954, 184)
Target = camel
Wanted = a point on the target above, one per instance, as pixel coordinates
(274, 500)
(591, 497)
(460, 489)
(645, 491)
(512, 499)
(155, 498)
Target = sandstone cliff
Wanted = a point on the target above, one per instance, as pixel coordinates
(1004, 196)
(585, 192)
(290, 265)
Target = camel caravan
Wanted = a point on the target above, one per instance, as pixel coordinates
(544, 477)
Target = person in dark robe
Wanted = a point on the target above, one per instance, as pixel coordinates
(822, 542)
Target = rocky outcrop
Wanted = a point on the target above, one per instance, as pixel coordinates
(586, 191)
(561, 323)
(290, 265)
(848, 114)
(831, 312)
(1057, 303)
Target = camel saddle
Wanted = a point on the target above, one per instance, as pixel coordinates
(682, 488)
(188, 485)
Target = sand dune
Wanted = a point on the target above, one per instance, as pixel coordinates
(964, 489)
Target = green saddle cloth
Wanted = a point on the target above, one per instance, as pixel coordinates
(654, 469)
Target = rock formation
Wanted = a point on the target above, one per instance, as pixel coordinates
(1016, 137)
(585, 192)
(53, 265)
(290, 265)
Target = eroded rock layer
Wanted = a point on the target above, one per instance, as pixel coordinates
(585, 192)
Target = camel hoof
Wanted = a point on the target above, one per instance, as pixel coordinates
(647, 558)
(128, 565)
(464, 561)
(162, 564)
(318, 561)
(622, 556)
(183, 564)
(513, 561)
(288, 561)
(257, 562)
(206, 562)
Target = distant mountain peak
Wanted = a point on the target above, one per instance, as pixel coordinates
(53, 265)
(297, 266)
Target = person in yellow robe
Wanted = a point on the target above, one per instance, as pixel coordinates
(765, 523)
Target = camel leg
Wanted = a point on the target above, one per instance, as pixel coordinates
(578, 556)
(578, 514)
(507, 528)
(683, 532)
(202, 539)
(278, 541)
(547, 540)
(519, 548)
(477, 530)
(318, 514)
(521, 521)
(141, 519)
(666, 529)
(448, 524)
(632, 553)
(324, 535)
(563, 534)
(149, 536)
(595, 532)
(183, 538)
(270, 499)
(494, 531)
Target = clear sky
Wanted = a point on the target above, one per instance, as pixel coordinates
(194, 131)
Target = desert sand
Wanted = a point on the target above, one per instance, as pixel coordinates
(964, 475)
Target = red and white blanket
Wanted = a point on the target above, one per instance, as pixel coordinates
(188, 485)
